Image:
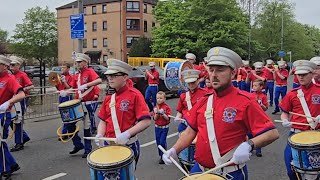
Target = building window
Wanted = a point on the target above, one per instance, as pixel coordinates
(145, 10)
(130, 41)
(84, 10)
(84, 43)
(94, 26)
(94, 43)
(85, 27)
(104, 25)
(94, 9)
(105, 42)
(145, 26)
(133, 24)
(105, 58)
(104, 8)
(133, 6)
(153, 24)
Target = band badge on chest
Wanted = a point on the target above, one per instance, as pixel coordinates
(19, 80)
(85, 79)
(124, 105)
(229, 114)
(315, 99)
(2, 84)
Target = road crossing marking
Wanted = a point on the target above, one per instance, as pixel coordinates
(153, 142)
(55, 176)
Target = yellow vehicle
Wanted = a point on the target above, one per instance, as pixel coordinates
(144, 61)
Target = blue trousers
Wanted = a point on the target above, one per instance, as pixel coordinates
(61, 100)
(235, 83)
(245, 86)
(150, 96)
(6, 158)
(161, 138)
(295, 85)
(202, 84)
(241, 174)
(92, 108)
(258, 150)
(182, 127)
(270, 88)
(20, 136)
(279, 91)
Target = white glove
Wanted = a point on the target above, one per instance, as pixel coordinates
(166, 156)
(97, 141)
(123, 138)
(286, 123)
(317, 119)
(4, 107)
(82, 87)
(155, 110)
(63, 78)
(161, 111)
(63, 93)
(242, 153)
(259, 101)
(177, 119)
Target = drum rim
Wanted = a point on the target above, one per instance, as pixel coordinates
(72, 105)
(302, 146)
(111, 166)
(201, 173)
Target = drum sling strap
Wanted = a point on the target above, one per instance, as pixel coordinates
(114, 119)
(305, 108)
(81, 95)
(188, 100)
(217, 159)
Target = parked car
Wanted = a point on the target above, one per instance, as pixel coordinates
(58, 70)
(99, 69)
(31, 71)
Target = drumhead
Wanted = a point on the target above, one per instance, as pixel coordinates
(109, 157)
(305, 138)
(69, 103)
(204, 177)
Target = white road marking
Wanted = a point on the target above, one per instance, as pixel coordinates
(153, 142)
(55, 176)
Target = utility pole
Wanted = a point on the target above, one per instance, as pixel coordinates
(282, 26)
(249, 39)
(80, 6)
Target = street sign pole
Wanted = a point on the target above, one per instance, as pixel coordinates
(80, 5)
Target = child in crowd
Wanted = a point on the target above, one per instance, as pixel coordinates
(208, 87)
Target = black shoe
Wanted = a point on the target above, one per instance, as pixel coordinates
(75, 150)
(258, 154)
(7, 175)
(275, 111)
(93, 130)
(84, 155)
(17, 147)
(161, 161)
(271, 105)
(25, 141)
(14, 168)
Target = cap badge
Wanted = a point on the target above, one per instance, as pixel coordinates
(216, 51)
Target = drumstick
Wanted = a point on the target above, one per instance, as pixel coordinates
(180, 119)
(215, 168)
(100, 138)
(303, 124)
(302, 115)
(174, 162)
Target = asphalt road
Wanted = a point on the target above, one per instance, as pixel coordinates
(45, 156)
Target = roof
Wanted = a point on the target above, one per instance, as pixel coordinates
(92, 2)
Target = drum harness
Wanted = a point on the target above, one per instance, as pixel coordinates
(306, 110)
(217, 159)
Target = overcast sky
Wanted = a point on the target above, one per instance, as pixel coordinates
(12, 11)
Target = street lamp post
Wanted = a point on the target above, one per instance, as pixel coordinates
(282, 24)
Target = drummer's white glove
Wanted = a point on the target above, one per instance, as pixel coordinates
(259, 102)
(97, 141)
(177, 119)
(242, 153)
(166, 156)
(161, 111)
(123, 138)
(155, 110)
(82, 87)
(63, 78)
(286, 123)
(63, 93)
(4, 107)
(317, 119)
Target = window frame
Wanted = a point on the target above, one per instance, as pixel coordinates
(103, 27)
(94, 7)
(145, 26)
(94, 29)
(132, 8)
(93, 40)
(132, 39)
(133, 26)
(84, 43)
(103, 40)
(102, 8)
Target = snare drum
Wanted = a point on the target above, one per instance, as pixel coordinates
(305, 147)
(71, 111)
(172, 74)
(114, 162)
(204, 177)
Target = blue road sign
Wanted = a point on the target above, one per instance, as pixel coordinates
(77, 26)
(281, 54)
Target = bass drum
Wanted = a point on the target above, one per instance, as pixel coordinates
(172, 75)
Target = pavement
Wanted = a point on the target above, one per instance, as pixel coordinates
(44, 157)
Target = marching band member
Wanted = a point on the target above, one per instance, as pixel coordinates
(257, 73)
(123, 114)
(86, 82)
(10, 93)
(192, 59)
(189, 98)
(268, 71)
(20, 136)
(302, 100)
(208, 87)
(295, 83)
(316, 79)
(229, 115)
(152, 77)
(281, 77)
(244, 73)
(64, 84)
(162, 120)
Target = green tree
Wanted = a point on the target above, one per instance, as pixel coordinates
(3, 41)
(197, 25)
(314, 34)
(141, 48)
